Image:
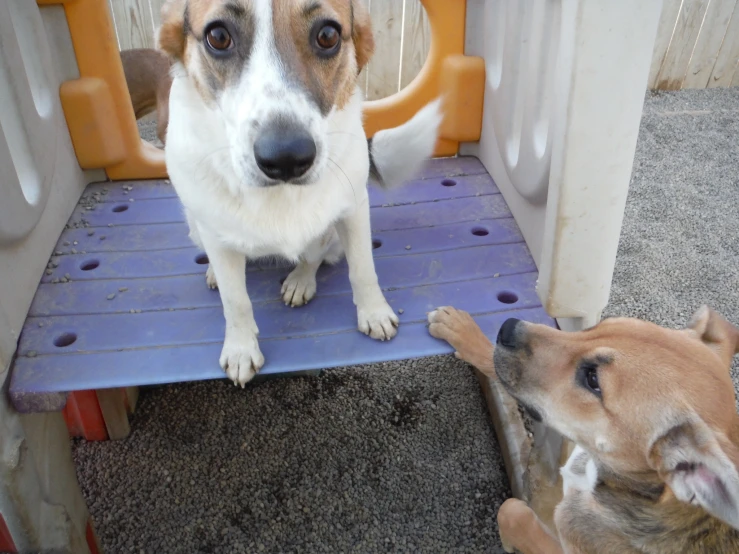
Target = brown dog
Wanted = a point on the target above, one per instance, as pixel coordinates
(149, 81)
(652, 412)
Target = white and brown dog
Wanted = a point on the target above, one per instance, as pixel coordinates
(653, 414)
(266, 150)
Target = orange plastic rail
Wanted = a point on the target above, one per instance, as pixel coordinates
(97, 106)
(103, 127)
(447, 22)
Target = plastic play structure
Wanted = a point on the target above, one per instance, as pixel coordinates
(101, 291)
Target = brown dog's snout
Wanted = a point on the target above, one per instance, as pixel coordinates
(508, 336)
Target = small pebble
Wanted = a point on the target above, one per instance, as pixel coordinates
(55, 281)
(132, 311)
(401, 310)
(67, 276)
(496, 275)
(130, 199)
(110, 224)
(31, 354)
(90, 233)
(111, 296)
(57, 253)
(66, 243)
(73, 251)
(122, 289)
(102, 237)
(49, 271)
(75, 243)
(408, 247)
(40, 323)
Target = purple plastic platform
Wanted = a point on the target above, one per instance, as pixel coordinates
(124, 301)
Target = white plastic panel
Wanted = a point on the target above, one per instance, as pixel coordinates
(27, 134)
(520, 55)
(565, 87)
(40, 183)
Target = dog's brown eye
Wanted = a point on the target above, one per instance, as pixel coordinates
(327, 37)
(218, 38)
(591, 379)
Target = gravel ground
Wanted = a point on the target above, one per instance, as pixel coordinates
(400, 456)
(395, 457)
(680, 239)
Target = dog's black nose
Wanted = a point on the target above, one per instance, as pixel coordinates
(507, 333)
(284, 154)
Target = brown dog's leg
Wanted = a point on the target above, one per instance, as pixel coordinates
(521, 529)
(460, 330)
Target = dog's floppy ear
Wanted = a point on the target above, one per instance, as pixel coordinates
(717, 333)
(699, 467)
(172, 35)
(362, 37)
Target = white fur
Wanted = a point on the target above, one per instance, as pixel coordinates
(576, 480)
(233, 216)
(399, 152)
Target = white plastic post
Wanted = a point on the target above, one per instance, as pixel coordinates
(565, 87)
(604, 61)
(40, 183)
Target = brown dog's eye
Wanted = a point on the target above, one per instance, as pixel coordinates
(327, 38)
(218, 38)
(591, 379)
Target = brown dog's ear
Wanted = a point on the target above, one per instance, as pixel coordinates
(172, 35)
(700, 468)
(717, 333)
(362, 37)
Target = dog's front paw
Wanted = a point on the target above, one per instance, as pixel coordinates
(378, 321)
(210, 278)
(241, 357)
(450, 324)
(299, 287)
(514, 521)
(464, 335)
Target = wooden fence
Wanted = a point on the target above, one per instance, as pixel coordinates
(697, 42)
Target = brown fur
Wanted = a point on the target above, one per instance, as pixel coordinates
(172, 38)
(149, 82)
(665, 395)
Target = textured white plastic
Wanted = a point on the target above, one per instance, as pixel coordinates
(565, 87)
(40, 183)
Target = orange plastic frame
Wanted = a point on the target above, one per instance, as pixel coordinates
(103, 127)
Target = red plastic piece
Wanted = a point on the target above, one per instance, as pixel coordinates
(92, 541)
(84, 417)
(6, 541)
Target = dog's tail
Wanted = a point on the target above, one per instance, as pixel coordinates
(397, 154)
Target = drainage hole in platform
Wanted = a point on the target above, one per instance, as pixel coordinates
(89, 265)
(480, 232)
(449, 182)
(507, 297)
(65, 340)
(376, 243)
(201, 259)
(120, 208)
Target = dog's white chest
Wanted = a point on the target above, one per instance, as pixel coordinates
(275, 222)
(281, 220)
(579, 473)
